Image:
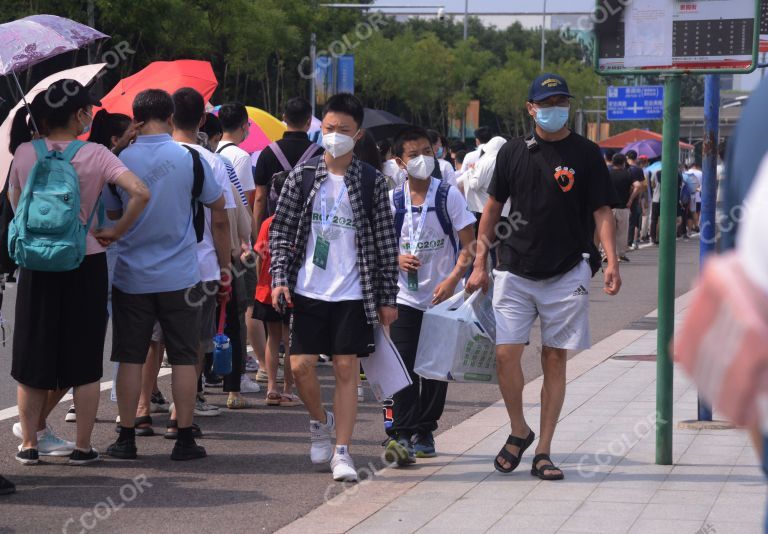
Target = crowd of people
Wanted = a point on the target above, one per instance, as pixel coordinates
(302, 257)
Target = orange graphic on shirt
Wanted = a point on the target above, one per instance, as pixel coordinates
(565, 178)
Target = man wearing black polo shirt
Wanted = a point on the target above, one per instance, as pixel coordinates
(295, 142)
(559, 188)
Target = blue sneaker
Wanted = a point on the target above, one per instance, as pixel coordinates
(424, 445)
(399, 451)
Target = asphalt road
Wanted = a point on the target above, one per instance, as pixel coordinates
(258, 476)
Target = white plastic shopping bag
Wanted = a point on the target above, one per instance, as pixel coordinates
(384, 368)
(458, 340)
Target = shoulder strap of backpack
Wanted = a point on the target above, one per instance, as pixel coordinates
(441, 209)
(278, 152)
(308, 177)
(197, 172)
(198, 215)
(218, 150)
(40, 148)
(398, 198)
(308, 153)
(72, 149)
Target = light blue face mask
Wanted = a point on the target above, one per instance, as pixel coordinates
(552, 119)
(440, 152)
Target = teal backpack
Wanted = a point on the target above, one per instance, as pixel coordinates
(46, 233)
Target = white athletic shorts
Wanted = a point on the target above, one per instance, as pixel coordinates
(562, 303)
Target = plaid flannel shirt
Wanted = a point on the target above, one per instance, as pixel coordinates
(377, 248)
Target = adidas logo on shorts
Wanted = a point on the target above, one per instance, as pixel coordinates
(580, 291)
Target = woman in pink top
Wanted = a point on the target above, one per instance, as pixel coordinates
(61, 317)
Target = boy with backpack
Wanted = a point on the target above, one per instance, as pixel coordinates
(334, 257)
(432, 222)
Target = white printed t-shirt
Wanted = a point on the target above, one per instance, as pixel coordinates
(434, 248)
(206, 250)
(340, 280)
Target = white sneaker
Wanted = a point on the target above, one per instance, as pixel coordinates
(251, 365)
(248, 386)
(360, 393)
(203, 409)
(324, 360)
(320, 436)
(17, 430)
(49, 444)
(342, 465)
(71, 417)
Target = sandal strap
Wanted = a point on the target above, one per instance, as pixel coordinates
(172, 424)
(143, 420)
(518, 442)
(540, 457)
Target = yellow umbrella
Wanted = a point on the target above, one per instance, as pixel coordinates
(272, 127)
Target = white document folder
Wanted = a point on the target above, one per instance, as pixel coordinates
(384, 369)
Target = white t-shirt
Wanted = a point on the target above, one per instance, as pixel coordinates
(699, 176)
(206, 251)
(434, 248)
(447, 171)
(340, 280)
(750, 241)
(241, 161)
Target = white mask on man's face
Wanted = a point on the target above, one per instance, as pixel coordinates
(338, 144)
(421, 167)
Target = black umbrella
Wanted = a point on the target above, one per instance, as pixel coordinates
(382, 124)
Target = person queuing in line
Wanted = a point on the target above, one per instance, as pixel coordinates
(560, 188)
(280, 156)
(213, 251)
(235, 125)
(636, 210)
(277, 323)
(46, 356)
(334, 257)
(645, 200)
(171, 294)
(628, 188)
(430, 268)
(445, 170)
(483, 134)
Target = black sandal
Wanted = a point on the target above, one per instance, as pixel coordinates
(539, 471)
(513, 460)
(172, 431)
(143, 431)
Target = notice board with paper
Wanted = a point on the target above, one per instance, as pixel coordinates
(658, 36)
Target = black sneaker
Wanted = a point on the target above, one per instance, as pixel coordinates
(6, 486)
(424, 445)
(79, 457)
(28, 457)
(187, 451)
(213, 381)
(124, 450)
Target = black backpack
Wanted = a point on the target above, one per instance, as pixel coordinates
(368, 184)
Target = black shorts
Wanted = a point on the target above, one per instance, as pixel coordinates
(698, 207)
(333, 328)
(268, 314)
(61, 322)
(134, 316)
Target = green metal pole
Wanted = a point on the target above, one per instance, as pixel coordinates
(667, 236)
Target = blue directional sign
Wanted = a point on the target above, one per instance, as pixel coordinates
(635, 102)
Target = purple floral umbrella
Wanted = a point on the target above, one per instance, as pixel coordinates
(28, 41)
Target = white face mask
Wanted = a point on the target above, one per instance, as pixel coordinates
(337, 144)
(390, 168)
(421, 167)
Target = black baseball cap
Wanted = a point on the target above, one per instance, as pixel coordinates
(547, 85)
(70, 95)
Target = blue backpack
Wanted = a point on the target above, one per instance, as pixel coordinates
(440, 208)
(46, 233)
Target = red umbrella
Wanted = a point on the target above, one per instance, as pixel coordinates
(167, 75)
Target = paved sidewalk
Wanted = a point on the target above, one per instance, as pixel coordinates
(605, 442)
